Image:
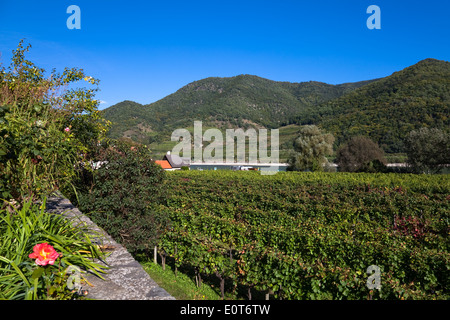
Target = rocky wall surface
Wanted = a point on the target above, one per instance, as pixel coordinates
(125, 279)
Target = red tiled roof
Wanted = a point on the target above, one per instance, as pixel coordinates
(164, 164)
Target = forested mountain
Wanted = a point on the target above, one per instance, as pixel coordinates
(388, 109)
(240, 101)
(384, 109)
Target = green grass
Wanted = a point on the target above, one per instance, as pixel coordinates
(180, 286)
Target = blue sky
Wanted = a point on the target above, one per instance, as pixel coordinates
(146, 50)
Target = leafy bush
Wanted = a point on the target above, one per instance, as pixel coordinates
(361, 154)
(20, 230)
(428, 150)
(310, 149)
(44, 129)
(122, 195)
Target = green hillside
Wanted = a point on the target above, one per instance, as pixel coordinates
(240, 101)
(388, 109)
(384, 109)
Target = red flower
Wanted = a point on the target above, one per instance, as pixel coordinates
(44, 254)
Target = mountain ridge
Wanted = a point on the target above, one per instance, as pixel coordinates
(388, 109)
(232, 100)
(400, 100)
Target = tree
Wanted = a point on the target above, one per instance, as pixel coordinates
(44, 127)
(310, 149)
(428, 150)
(360, 154)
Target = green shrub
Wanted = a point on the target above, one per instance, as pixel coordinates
(361, 154)
(428, 150)
(20, 230)
(123, 194)
(310, 149)
(44, 129)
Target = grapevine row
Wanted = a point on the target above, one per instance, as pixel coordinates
(312, 236)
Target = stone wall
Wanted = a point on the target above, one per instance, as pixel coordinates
(125, 279)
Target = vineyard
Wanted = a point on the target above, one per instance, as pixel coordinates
(312, 235)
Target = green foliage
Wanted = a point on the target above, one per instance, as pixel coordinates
(39, 154)
(360, 154)
(44, 132)
(21, 230)
(238, 102)
(310, 149)
(428, 150)
(122, 195)
(43, 129)
(179, 285)
(386, 110)
(313, 235)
